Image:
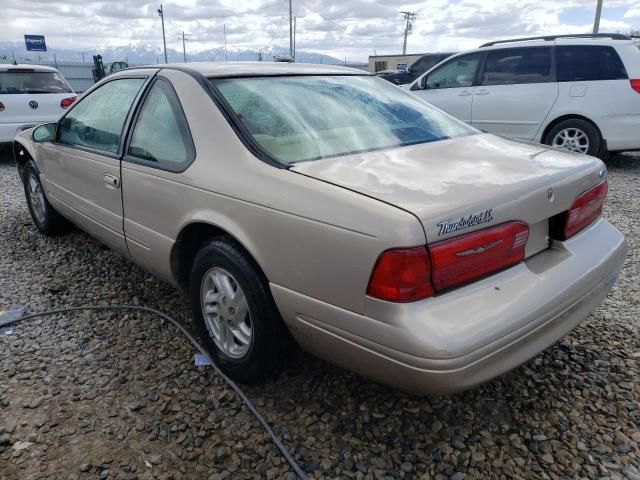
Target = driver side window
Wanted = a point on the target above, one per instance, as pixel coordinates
(96, 121)
(459, 72)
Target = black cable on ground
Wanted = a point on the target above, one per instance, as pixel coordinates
(274, 438)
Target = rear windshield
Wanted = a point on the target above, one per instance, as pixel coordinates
(298, 118)
(17, 82)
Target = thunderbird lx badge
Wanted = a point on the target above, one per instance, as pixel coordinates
(452, 225)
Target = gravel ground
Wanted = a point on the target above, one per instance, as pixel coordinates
(118, 396)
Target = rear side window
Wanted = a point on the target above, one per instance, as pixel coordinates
(96, 122)
(580, 63)
(161, 137)
(517, 65)
(20, 81)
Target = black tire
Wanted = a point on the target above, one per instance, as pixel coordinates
(269, 338)
(49, 221)
(596, 143)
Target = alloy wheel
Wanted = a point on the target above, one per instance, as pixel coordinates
(572, 139)
(36, 198)
(226, 313)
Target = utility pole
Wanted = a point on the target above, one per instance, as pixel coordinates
(290, 29)
(164, 40)
(294, 38)
(409, 18)
(184, 36)
(83, 54)
(596, 21)
(226, 59)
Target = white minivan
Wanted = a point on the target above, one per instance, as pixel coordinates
(30, 95)
(578, 92)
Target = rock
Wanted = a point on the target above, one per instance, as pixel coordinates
(548, 458)
(85, 467)
(136, 405)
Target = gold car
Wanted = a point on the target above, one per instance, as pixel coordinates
(383, 234)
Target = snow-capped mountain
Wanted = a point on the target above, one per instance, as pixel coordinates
(149, 54)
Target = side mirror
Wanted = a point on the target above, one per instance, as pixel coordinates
(408, 70)
(44, 133)
(420, 84)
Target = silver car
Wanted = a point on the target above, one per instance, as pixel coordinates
(384, 235)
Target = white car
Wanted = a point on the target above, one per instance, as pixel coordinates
(30, 95)
(579, 92)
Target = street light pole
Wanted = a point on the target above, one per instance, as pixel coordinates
(164, 40)
(596, 21)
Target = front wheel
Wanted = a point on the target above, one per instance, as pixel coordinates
(45, 217)
(235, 313)
(576, 135)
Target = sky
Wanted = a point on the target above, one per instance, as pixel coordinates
(353, 29)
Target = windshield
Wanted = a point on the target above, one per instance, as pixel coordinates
(18, 82)
(298, 118)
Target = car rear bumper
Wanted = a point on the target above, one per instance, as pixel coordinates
(470, 335)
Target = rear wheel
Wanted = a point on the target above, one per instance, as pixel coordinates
(576, 135)
(235, 313)
(45, 217)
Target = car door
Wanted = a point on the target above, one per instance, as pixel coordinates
(450, 86)
(82, 165)
(516, 91)
(159, 150)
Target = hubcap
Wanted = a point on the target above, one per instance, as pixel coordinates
(226, 313)
(36, 198)
(572, 139)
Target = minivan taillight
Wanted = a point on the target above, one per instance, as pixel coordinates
(410, 274)
(582, 213)
(67, 102)
(635, 84)
(463, 259)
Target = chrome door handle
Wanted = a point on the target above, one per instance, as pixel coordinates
(483, 92)
(111, 181)
(466, 93)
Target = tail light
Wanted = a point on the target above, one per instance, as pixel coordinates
(469, 257)
(67, 102)
(405, 275)
(401, 275)
(582, 213)
(635, 84)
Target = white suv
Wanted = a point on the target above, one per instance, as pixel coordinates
(30, 95)
(578, 92)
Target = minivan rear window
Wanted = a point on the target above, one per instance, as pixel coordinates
(20, 81)
(580, 63)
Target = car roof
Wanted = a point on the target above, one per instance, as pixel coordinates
(4, 67)
(612, 39)
(250, 69)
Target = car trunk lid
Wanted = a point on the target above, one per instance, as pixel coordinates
(464, 184)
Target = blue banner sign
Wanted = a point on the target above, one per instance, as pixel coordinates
(35, 43)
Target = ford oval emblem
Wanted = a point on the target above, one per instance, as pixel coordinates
(33, 104)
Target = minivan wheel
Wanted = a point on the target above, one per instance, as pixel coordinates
(45, 217)
(235, 314)
(576, 135)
